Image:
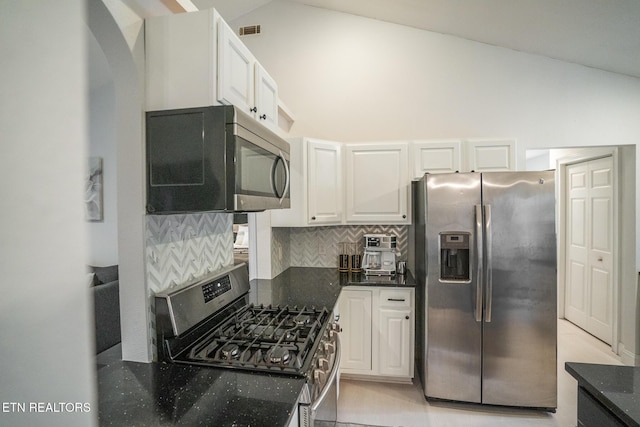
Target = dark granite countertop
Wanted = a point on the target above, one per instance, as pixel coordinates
(316, 286)
(615, 387)
(151, 394)
(154, 394)
(360, 279)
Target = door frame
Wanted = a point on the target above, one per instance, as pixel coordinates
(579, 156)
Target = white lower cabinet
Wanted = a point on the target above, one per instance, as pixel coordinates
(355, 320)
(378, 330)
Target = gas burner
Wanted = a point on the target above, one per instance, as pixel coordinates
(302, 320)
(278, 355)
(230, 351)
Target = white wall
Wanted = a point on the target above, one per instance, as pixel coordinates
(103, 235)
(120, 33)
(46, 350)
(350, 79)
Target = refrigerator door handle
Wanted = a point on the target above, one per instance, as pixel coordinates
(487, 237)
(479, 263)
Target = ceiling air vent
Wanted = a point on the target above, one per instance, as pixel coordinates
(249, 30)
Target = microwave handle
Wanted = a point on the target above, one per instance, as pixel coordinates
(287, 179)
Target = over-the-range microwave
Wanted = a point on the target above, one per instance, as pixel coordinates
(214, 158)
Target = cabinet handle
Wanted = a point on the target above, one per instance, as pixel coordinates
(406, 317)
(313, 218)
(254, 109)
(263, 117)
(404, 216)
(396, 299)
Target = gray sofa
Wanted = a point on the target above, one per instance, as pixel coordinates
(106, 292)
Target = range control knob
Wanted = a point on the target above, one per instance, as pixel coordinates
(320, 376)
(323, 364)
(329, 348)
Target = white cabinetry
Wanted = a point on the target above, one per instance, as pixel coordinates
(378, 332)
(236, 68)
(375, 191)
(447, 156)
(396, 327)
(181, 60)
(242, 81)
(195, 59)
(355, 307)
(316, 185)
(377, 183)
(324, 167)
(490, 155)
(443, 156)
(266, 98)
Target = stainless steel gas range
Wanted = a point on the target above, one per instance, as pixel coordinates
(211, 323)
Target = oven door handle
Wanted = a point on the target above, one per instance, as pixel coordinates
(332, 376)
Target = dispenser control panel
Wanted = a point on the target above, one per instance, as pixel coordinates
(455, 259)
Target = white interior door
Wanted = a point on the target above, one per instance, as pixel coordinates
(589, 236)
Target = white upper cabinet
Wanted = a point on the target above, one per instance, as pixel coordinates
(181, 60)
(490, 155)
(377, 183)
(316, 185)
(454, 155)
(242, 81)
(266, 97)
(195, 59)
(324, 173)
(236, 68)
(437, 156)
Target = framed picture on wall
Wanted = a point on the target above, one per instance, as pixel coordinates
(93, 190)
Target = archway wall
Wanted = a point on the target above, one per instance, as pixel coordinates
(122, 41)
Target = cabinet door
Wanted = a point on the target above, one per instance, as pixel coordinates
(235, 70)
(395, 342)
(180, 53)
(266, 98)
(491, 155)
(355, 320)
(435, 157)
(324, 163)
(377, 183)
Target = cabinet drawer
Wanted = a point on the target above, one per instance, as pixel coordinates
(396, 298)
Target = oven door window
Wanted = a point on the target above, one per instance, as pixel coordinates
(258, 171)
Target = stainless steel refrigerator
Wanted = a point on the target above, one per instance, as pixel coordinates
(486, 271)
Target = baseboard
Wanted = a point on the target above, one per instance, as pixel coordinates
(628, 358)
(376, 378)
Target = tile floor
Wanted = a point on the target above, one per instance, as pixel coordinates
(380, 404)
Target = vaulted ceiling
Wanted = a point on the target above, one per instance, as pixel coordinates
(603, 34)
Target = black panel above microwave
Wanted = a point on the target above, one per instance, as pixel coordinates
(213, 159)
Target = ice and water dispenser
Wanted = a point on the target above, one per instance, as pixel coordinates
(455, 257)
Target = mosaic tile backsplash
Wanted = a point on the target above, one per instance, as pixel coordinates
(320, 246)
(181, 248)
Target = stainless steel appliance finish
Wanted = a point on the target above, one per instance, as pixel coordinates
(379, 258)
(214, 159)
(486, 270)
(210, 323)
